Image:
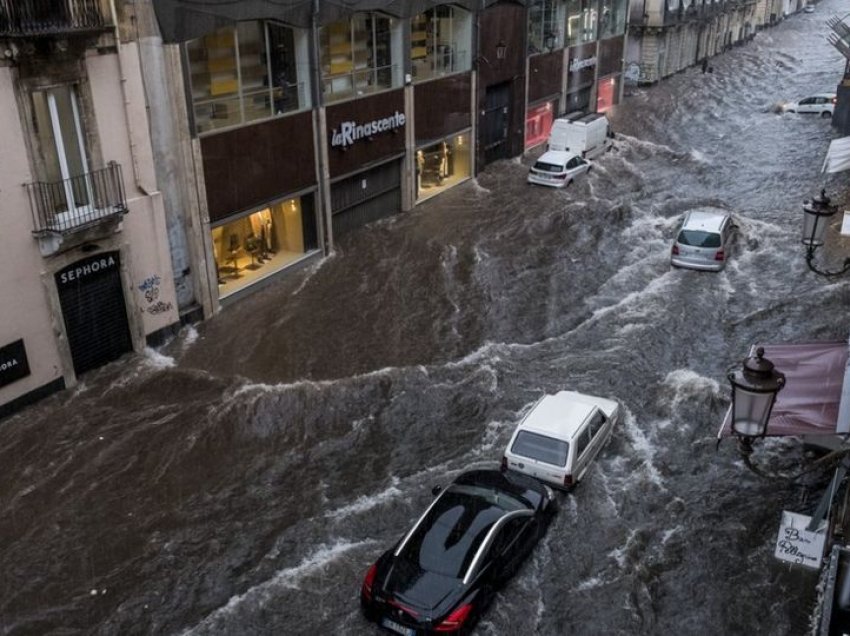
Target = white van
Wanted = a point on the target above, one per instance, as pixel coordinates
(584, 135)
(561, 435)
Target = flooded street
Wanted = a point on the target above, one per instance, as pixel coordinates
(241, 479)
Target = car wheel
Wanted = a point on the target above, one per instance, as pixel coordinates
(826, 113)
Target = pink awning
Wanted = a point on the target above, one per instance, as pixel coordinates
(809, 402)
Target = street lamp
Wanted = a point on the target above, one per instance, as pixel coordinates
(754, 390)
(816, 215)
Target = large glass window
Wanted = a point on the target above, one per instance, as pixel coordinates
(440, 42)
(612, 19)
(254, 246)
(441, 165)
(254, 71)
(607, 94)
(581, 21)
(545, 25)
(360, 55)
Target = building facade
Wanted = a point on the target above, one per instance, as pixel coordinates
(667, 36)
(302, 121)
(85, 266)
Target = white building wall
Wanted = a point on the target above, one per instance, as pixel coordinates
(25, 310)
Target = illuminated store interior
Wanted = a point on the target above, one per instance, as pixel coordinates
(259, 244)
(538, 124)
(442, 165)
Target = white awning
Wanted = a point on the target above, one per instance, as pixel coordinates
(838, 155)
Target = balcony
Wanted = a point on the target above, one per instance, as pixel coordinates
(72, 206)
(45, 18)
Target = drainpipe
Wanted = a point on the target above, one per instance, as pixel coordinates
(130, 127)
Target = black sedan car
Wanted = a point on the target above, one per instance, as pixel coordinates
(445, 571)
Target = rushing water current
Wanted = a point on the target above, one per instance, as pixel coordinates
(241, 479)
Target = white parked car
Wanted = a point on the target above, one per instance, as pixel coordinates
(559, 438)
(557, 168)
(822, 104)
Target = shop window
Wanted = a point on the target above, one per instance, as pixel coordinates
(359, 56)
(578, 100)
(440, 42)
(607, 94)
(581, 21)
(612, 18)
(254, 246)
(254, 71)
(441, 165)
(538, 124)
(545, 25)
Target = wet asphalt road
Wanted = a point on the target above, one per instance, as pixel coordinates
(241, 479)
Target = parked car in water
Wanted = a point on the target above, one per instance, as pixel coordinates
(557, 168)
(560, 437)
(822, 104)
(446, 570)
(704, 240)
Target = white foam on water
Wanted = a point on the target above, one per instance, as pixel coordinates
(312, 270)
(589, 584)
(288, 578)
(156, 360)
(643, 447)
(698, 156)
(190, 337)
(477, 187)
(620, 555)
(367, 502)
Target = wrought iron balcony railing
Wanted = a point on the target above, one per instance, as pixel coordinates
(30, 18)
(66, 206)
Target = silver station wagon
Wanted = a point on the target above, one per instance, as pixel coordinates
(559, 438)
(704, 240)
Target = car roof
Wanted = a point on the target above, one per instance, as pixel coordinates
(556, 156)
(706, 219)
(819, 95)
(560, 415)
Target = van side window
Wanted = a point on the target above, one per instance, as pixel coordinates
(582, 441)
(597, 421)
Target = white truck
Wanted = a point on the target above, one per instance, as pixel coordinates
(584, 135)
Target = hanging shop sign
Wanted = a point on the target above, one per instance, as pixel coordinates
(13, 362)
(577, 64)
(350, 132)
(87, 268)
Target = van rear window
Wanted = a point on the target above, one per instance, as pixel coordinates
(698, 238)
(541, 447)
(548, 167)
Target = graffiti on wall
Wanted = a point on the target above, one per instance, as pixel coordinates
(150, 288)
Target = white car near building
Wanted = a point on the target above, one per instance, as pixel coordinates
(559, 438)
(557, 168)
(822, 104)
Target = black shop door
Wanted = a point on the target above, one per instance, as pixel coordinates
(495, 123)
(92, 301)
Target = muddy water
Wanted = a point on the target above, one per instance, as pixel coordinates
(241, 479)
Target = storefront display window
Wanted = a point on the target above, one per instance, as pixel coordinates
(607, 94)
(545, 25)
(612, 20)
(538, 123)
(578, 100)
(581, 21)
(263, 242)
(254, 71)
(360, 55)
(440, 42)
(441, 165)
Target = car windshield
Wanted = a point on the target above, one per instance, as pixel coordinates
(447, 540)
(548, 167)
(541, 447)
(698, 238)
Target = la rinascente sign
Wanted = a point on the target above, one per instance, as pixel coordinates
(13, 362)
(350, 131)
